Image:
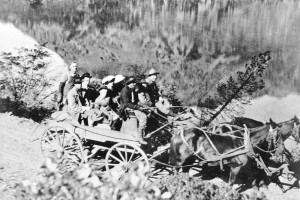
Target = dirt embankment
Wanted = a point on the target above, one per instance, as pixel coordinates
(20, 157)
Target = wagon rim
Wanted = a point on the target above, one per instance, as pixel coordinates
(121, 157)
(58, 142)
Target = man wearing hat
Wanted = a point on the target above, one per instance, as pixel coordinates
(88, 93)
(106, 103)
(151, 86)
(75, 107)
(119, 84)
(65, 84)
(129, 100)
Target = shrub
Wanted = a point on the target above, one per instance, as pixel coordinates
(84, 183)
(24, 75)
(182, 187)
(37, 114)
(23, 83)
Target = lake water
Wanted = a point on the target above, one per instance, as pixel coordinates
(279, 109)
(214, 37)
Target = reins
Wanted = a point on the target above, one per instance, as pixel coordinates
(275, 143)
(246, 148)
(220, 156)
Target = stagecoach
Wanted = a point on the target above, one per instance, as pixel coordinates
(108, 150)
(115, 151)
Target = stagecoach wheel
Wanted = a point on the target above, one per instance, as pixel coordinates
(121, 157)
(157, 173)
(57, 142)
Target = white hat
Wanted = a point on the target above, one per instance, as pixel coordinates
(119, 78)
(152, 72)
(108, 79)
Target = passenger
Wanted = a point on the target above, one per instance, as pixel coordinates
(107, 103)
(129, 100)
(157, 100)
(89, 93)
(119, 84)
(151, 86)
(143, 96)
(77, 111)
(66, 84)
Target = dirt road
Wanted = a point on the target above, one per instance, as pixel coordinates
(20, 157)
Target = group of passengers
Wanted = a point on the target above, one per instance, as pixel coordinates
(112, 102)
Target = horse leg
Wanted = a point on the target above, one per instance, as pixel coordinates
(189, 161)
(235, 166)
(234, 170)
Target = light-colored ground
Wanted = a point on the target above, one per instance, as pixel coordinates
(20, 158)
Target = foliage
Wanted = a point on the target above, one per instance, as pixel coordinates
(214, 37)
(113, 35)
(182, 187)
(23, 75)
(83, 183)
(249, 81)
(23, 83)
(37, 114)
(245, 84)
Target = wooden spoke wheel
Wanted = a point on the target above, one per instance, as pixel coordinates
(57, 142)
(158, 172)
(121, 157)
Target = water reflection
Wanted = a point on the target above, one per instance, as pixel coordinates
(212, 38)
(13, 38)
(279, 109)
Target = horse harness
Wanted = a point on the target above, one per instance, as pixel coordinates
(247, 148)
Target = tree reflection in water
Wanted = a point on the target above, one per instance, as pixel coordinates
(194, 43)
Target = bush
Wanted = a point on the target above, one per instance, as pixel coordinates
(84, 183)
(24, 84)
(37, 114)
(23, 75)
(182, 187)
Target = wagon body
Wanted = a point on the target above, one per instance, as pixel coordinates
(111, 151)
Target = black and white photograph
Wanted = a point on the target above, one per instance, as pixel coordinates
(150, 99)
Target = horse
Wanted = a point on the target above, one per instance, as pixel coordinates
(194, 141)
(285, 129)
(288, 128)
(250, 123)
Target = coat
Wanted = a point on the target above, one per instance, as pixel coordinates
(74, 102)
(153, 91)
(128, 99)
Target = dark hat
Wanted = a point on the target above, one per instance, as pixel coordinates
(77, 80)
(86, 75)
(130, 80)
(152, 72)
